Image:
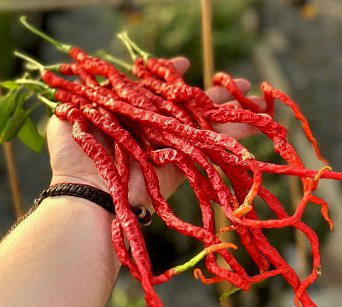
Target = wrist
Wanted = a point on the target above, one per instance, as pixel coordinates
(96, 182)
(64, 235)
(92, 194)
(81, 191)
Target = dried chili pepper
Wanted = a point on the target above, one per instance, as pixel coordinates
(160, 68)
(267, 88)
(162, 120)
(227, 81)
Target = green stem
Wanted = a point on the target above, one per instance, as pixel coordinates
(40, 85)
(108, 57)
(52, 105)
(31, 67)
(30, 60)
(193, 261)
(229, 292)
(128, 46)
(133, 46)
(58, 45)
(53, 67)
(37, 87)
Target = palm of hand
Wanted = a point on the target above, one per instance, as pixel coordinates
(67, 159)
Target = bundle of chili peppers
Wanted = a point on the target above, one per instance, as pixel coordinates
(157, 119)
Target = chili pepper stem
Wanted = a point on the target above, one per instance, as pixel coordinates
(128, 46)
(247, 204)
(108, 57)
(133, 46)
(31, 82)
(242, 210)
(193, 261)
(33, 62)
(50, 104)
(229, 292)
(58, 45)
(31, 67)
(317, 177)
(227, 228)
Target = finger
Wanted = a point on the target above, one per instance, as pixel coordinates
(220, 94)
(238, 130)
(59, 138)
(57, 127)
(181, 64)
(259, 101)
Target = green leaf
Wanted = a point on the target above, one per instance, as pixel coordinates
(13, 125)
(20, 99)
(7, 107)
(11, 105)
(11, 85)
(14, 120)
(30, 136)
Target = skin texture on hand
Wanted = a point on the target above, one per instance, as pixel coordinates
(70, 164)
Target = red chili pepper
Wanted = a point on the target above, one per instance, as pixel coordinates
(197, 114)
(178, 92)
(120, 248)
(156, 68)
(199, 275)
(164, 69)
(266, 87)
(196, 180)
(139, 69)
(74, 69)
(227, 81)
(280, 169)
(65, 96)
(273, 130)
(166, 107)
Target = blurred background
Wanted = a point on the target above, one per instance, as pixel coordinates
(294, 44)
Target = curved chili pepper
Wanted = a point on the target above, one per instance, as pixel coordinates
(227, 81)
(266, 87)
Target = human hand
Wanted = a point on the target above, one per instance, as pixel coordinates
(221, 96)
(70, 164)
